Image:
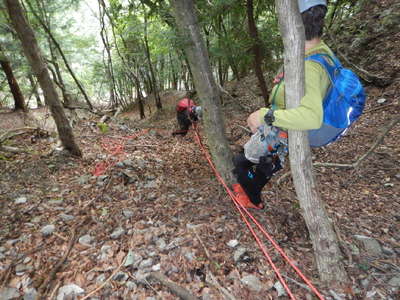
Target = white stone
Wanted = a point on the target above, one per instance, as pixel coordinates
(48, 229)
(233, 243)
(21, 200)
(252, 282)
(69, 290)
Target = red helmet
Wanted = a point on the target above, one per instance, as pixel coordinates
(184, 104)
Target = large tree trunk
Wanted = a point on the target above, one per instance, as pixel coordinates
(206, 87)
(323, 237)
(256, 51)
(35, 58)
(19, 102)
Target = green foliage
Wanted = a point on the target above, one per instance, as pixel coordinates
(103, 127)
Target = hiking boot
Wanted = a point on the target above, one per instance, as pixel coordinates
(243, 199)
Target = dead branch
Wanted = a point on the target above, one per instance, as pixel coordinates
(244, 129)
(173, 287)
(14, 132)
(377, 108)
(359, 160)
(298, 283)
(5, 275)
(364, 74)
(106, 281)
(11, 149)
(57, 267)
(223, 91)
(210, 275)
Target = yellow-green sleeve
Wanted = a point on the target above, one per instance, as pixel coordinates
(309, 114)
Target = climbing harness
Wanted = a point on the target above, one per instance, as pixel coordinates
(243, 212)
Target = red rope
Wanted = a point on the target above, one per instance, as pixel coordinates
(241, 208)
(115, 147)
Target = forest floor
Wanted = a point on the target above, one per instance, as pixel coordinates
(141, 201)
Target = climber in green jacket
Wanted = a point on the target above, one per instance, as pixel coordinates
(252, 177)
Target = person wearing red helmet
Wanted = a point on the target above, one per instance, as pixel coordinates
(186, 112)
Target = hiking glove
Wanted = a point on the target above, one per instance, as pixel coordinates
(269, 117)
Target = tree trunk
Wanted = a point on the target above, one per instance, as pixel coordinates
(35, 90)
(109, 64)
(57, 45)
(323, 237)
(19, 102)
(153, 77)
(35, 58)
(206, 87)
(256, 47)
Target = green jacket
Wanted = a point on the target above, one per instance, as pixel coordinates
(309, 114)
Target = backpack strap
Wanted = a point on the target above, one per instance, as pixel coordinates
(330, 69)
(273, 104)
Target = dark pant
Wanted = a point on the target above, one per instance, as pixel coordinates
(253, 177)
(184, 122)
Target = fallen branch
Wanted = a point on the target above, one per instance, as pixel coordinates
(5, 275)
(213, 281)
(173, 287)
(248, 131)
(298, 283)
(11, 149)
(377, 108)
(57, 267)
(358, 161)
(367, 76)
(106, 281)
(14, 132)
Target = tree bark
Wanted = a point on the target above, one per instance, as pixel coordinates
(206, 87)
(35, 90)
(35, 58)
(153, 76)
(19, 102)
(256, 47)
(323, 237)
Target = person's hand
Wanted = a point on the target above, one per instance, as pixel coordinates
(253, 121)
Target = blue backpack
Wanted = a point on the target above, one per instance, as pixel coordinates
(343, 102)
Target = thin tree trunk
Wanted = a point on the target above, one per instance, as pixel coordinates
(35, 90)
(109, 65)
(174, 76)
(206, 87)
(256, 51)
(230, 58)
(57, 45)
(153, 77)
(35, 58)
(19, 102)
(323, 237)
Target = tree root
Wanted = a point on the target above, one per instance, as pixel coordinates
(105, 281)
(46, 283)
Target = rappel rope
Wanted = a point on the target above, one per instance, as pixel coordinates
(242, 210)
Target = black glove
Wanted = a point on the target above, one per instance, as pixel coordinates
(269, 117)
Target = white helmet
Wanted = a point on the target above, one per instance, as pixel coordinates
(306, 4)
